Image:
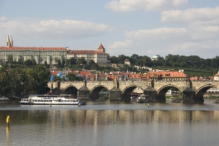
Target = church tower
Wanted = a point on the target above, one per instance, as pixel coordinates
(9, 42)
(101, 48)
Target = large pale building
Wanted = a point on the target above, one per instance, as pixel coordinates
(98, 56)
(49, 54)
(39, 54)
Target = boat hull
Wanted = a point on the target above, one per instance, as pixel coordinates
(142, 100)
(4, 99)
(49, 100)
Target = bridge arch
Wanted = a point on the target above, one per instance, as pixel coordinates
(94, 92)
(56, 91)
(161, 93)
(47, 89)
(71, 89)
(199, 94)
(128, 90)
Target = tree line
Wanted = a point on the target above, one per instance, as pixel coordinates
(191, 63)
(20, 81)
(170, 60)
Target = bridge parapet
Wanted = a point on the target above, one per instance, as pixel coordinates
(140, 84)
(197, 85)
(122, 89)
(181, 85)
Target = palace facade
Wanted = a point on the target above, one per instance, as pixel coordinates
(49, 54)
(98, 56)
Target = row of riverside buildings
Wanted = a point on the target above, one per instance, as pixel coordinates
(123, 76)
(49, 54)
(133, 76)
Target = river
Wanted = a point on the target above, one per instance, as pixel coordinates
(110, 124)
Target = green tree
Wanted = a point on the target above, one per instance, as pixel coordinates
(10, 58)
(17, 81)
(82, 61)
(28, 62)
(56, 78)
(71, 76)
(5, 88)
(39, 78)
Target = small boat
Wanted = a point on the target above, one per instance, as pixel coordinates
(50, 100)
(133, 97)
(4, 98)
(142, 99)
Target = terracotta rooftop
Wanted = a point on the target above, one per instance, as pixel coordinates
(100, 47)
(85, 52)
(168, 73)
(35, 48)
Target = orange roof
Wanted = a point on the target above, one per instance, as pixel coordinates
(100, 47)
(54, 72)
(216, 74)
(167, 74)
(35, 48)
(85, 52)
(134, 75)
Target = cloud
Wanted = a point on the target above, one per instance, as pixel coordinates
(54, 28)
(120, 44)
(3, 18)
(120, 47)
(189, 48)
(157, 34)
(190, 15)
(144, 5)
(192, 32)
(203, 32)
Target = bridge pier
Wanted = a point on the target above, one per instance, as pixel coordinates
(115, 94)
(83, 93)
(188, 95)
(151, 93)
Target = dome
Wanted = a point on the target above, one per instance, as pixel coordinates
(156, 56)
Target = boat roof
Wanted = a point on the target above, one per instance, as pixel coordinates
(45, 95)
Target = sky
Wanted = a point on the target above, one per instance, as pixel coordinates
(142, 27)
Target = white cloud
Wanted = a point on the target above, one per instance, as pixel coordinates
(120, 47)
(120, 44)
(54, 28)
(157, 34)
(203, 32)
(144, 5)
(190, 15)
(189, 48)
(3, 18)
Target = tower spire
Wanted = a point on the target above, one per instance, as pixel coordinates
(8, 43)
(11, 42)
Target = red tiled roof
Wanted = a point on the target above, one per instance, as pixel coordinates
(216, 74)
(100, 47)
(85, 52)
(35, 48)
(169, 73)
(55, 72)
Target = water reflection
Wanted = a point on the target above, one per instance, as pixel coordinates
(109, 127)
(103, 117)
(7, 135)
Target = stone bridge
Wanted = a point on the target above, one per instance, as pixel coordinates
(121, 90)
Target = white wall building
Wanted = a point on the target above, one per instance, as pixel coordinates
(39, 54)
(98, 56)
(216, 77)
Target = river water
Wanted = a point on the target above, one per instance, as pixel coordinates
(110, 124)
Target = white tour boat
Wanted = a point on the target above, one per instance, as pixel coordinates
(142, 99)
(50, 100)
(4, 98)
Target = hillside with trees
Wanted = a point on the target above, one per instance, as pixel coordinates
(192, 65)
